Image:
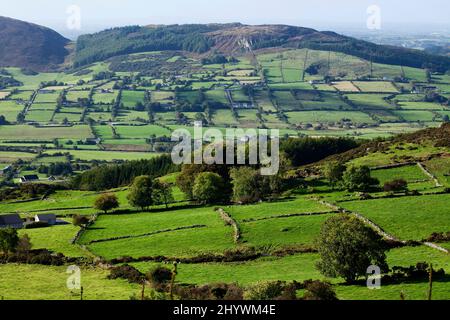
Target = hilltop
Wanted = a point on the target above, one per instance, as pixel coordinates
(28, 45)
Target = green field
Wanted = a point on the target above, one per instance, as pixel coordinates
(400, 216)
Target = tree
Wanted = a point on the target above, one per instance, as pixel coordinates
(358, 179)
(189, 172)
(24, 245)
(162, 193)
(248, 185)
(20, 117)
(8, 240)
(106, 202)
(80, 221)
(347, 247)
(334, 172)
(3, 120)
(140, 195)
(207, 187)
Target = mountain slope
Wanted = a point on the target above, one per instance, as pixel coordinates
(236, 38)
(28, 45)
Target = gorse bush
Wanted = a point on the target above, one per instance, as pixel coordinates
(159, 275)
(127, 272)
(318, 290)
(397, 185)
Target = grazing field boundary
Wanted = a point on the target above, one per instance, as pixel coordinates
(230, 221)
(147, 234)
(429, 174)
(372, 224)
(242, 254)
(379, 229)
(82, 230)
(394, 165)
(282, 216)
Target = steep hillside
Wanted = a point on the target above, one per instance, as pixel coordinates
(417, 145)
(236, 38)
(28, 45)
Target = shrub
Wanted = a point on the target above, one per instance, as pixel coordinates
(396, 185)
(358, 179)
(159, 275)
(80, 221)
(106, 202)
(127, 272)
(8, 240)
(264, 290)
(318, 290)
(220, 291)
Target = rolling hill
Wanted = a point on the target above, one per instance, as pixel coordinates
(28, 45)
(238, 38)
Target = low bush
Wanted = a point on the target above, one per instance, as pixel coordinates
(318, 290)
(127, 272)
(220, 291)
(397, 185)
(159, 275)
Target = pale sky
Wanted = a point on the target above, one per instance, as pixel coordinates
(321, 14)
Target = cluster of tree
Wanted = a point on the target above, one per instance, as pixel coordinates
(352, 178)
(10, 242)
(144, 192)
(56, 169)
(3, 121)
(221, 183)
(52, 83)
(103, 75)
(106, 177)
(435, 97)
(301, 151)
(218, 59)
(6, 82)
(27, 191)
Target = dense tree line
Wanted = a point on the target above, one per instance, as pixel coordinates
(112, 176)
(132, 39)
(301, 151)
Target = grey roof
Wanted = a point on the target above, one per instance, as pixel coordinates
(30, 177)
(46, 216)
(10, 219)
